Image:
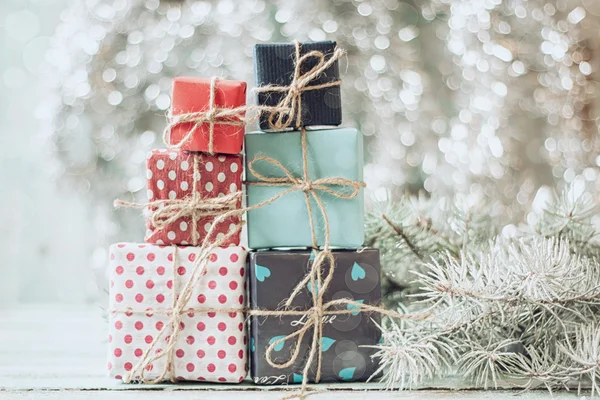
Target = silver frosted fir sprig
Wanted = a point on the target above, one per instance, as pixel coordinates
(519, 309)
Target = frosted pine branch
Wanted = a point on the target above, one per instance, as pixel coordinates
(524, 308)
(583, 352)
(414, 230)
(572, 217)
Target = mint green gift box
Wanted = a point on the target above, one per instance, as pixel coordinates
(331, 153)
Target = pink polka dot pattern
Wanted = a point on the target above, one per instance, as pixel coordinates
(141, 278)
(171, 176)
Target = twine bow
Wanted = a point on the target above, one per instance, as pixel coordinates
(289, 109)
(168, 211)
(213, 115)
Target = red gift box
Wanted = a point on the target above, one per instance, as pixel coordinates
(192, 95)
(170, 176)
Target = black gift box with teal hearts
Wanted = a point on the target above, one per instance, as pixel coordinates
(274, 275)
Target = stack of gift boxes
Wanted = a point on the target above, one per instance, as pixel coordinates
(146, 279)
(285, 223)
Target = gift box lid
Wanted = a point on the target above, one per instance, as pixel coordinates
(331, 153)
(191, 94)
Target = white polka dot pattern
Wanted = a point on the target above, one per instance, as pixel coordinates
(170, 176)
(211, 346)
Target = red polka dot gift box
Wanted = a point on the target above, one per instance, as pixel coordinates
(145, 283)
(187, 191)
(191, 96)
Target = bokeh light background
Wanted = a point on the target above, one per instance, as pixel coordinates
(496, 99)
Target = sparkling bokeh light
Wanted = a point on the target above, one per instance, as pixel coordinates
(495, 99)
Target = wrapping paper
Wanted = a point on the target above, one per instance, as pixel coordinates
(273, 275)
(274, 64)
(285, 223)
(211, 346)
(170, 175)
(192, 95)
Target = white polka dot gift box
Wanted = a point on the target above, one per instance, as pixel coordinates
(145, 281)
(176, 177)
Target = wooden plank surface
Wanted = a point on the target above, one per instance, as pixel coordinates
(51, 352)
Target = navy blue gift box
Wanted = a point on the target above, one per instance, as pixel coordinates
(274, 64)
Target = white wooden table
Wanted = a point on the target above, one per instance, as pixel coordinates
(51, 352)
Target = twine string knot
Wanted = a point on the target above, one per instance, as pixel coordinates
(307, 186)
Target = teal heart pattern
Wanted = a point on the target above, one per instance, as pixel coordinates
(358, 272)
(274, 274)
(347, 373)
(355, 307)
(309, 286)
(261, 272)
(326, 343)
(279, 345)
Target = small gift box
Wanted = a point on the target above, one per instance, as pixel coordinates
(278, 69)
(273, 275)
(192, 95)
(145, 281)
(201, 185)
(275, 164)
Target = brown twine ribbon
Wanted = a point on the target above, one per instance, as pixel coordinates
(289, 109)
(213, 115)
(167, 211)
